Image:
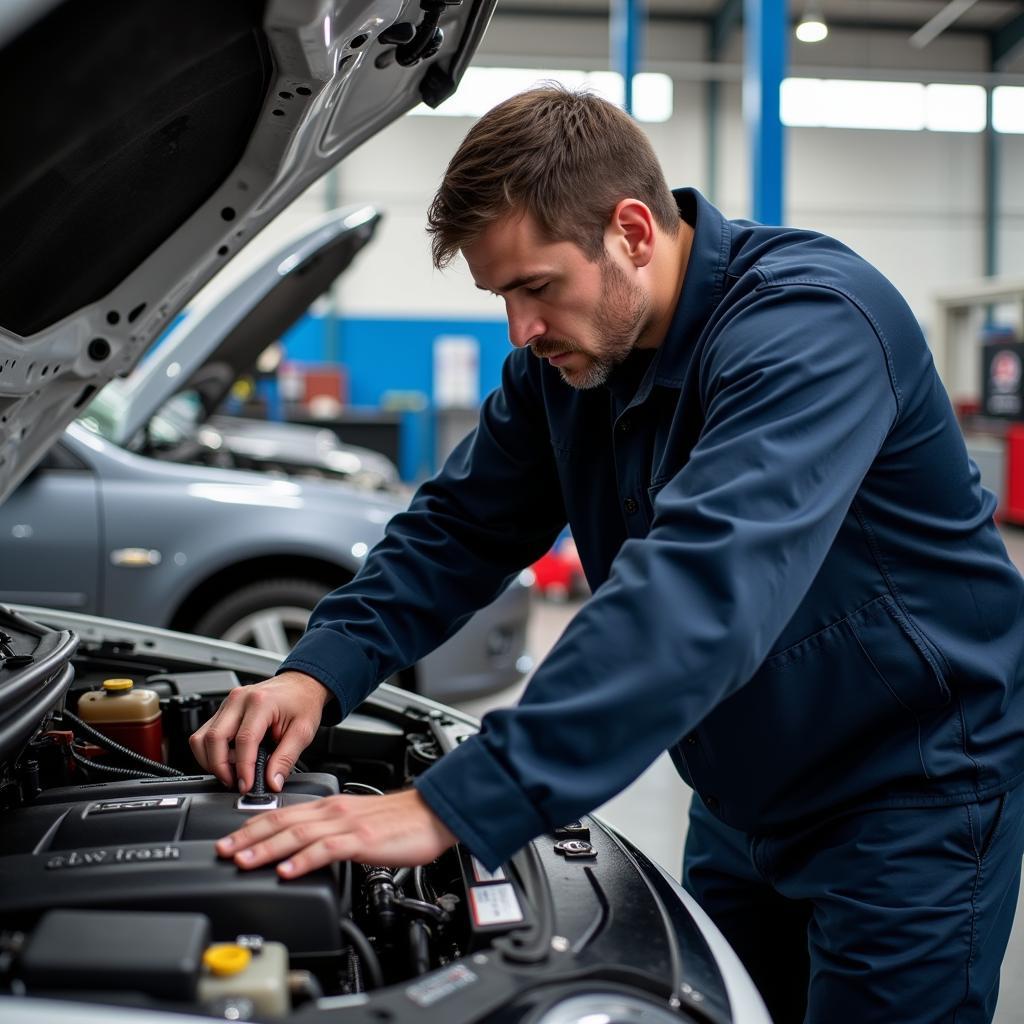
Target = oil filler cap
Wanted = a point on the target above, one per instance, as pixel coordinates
(117, 685)
(575, 848)
(223, 961)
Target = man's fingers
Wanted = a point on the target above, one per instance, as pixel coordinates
(251, 730)
(294, 741)
(217, 735)
(324, 851)
(398, 829)
(267, 823)
(281, 844)
(290, 704)
(210, 744)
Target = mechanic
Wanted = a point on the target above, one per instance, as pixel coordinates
(799, 590)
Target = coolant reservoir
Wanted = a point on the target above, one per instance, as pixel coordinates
(127, 715)
(233, 972)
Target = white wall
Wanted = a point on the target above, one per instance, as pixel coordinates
(911, 202)
(1011, 203)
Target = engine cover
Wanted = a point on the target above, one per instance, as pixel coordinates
(149, 845)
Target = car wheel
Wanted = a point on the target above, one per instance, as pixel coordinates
(271, 615)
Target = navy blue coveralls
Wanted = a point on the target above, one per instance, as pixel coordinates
(798, 590)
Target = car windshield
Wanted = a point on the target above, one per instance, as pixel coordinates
(176, 420)
(103, 414)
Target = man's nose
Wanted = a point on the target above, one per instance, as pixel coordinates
(523, 327)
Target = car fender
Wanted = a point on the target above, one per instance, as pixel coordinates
(167, 528)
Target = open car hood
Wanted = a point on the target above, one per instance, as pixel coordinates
(173, 133)
(219, 341)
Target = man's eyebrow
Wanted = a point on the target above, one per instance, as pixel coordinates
(518, 282)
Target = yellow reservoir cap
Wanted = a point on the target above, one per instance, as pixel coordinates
(227, 959)
(117, 685)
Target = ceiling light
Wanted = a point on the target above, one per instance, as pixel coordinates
(812, 27)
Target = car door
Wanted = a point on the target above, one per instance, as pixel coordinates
(49, 536)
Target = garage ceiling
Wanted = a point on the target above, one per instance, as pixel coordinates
(985, 17)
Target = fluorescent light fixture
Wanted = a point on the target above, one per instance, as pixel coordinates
(838, 103)
(886, 106)
(812, 27)
(954, 108)
(1008, 109)
(652, 97)
(483, 88)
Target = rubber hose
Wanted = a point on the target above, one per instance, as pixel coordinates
(121, 773)
(367, 954)
(114, 747)
(419, 947)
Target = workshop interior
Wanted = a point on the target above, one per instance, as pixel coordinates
(227, 362)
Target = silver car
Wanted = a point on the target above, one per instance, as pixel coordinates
(166, 407)
(222, 552)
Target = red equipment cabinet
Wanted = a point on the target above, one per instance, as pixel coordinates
(1013, 506)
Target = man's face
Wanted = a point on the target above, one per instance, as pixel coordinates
(583, 317)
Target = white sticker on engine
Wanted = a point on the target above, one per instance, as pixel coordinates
(483, 875)
(440, 985)
(494, 904)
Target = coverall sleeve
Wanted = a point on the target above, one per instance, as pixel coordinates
(494, 508)
(798, 400)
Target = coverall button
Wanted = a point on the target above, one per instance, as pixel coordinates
(625, 425)
(711, 803)
(691, 740)
(630, 506)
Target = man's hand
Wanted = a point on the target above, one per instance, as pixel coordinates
(289, 706)
(398, 830)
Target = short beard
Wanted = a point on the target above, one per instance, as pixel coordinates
(618, 320)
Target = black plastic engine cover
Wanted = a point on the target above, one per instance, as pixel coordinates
(107, 950)
(149, 846)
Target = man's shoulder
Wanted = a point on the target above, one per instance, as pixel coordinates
(803, 298)
(779, 255)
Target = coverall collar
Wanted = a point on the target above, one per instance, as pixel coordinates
(703, 285)
(702, 290)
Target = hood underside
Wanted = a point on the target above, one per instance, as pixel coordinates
(171, 135)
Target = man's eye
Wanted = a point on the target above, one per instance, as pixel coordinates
(538, 289)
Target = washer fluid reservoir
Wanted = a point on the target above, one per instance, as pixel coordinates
(128, 715)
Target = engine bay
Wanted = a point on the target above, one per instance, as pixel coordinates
(127, 853)
(112, 892)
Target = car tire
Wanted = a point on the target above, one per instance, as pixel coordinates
(270, 615)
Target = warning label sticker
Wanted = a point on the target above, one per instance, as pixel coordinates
(440, 985)
(481, 874)
(494, 904)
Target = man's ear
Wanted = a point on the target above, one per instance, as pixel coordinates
(631, 230)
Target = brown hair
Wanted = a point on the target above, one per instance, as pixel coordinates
(568, 158)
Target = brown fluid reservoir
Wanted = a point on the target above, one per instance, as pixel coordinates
(127, 715)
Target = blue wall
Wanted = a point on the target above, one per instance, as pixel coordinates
(397, 355)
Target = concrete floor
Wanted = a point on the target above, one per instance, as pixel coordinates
(653, 811)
